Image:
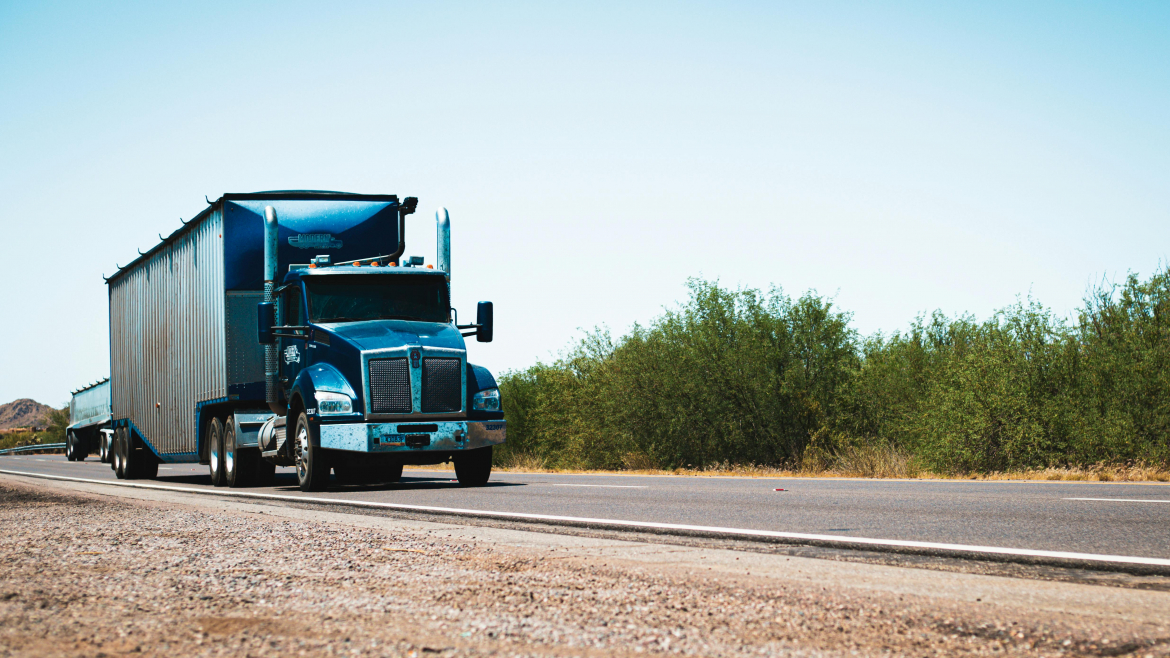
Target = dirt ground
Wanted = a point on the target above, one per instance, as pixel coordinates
(85, 575)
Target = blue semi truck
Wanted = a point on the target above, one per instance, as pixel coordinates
(290, 329)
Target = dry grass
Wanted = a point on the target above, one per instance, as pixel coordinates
(878, 462)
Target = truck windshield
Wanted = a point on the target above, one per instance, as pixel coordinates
(353, 298)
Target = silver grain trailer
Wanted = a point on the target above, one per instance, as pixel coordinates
(89, 422)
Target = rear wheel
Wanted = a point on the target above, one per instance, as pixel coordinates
(474, 467)
(215, 451)
(70, 447)
(312, 462)
(240, 465)
(104, 447)
(119, 461)
(137, 461)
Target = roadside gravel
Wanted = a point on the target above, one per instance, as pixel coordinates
(86, 575)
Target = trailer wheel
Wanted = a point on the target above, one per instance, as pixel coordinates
(215, 451)
(121, 454)
(104, 449)
(474, 467)
(80, 448)
(116, 463)
(70, 447)
(239, 465)
(136, 463)
(312, 463)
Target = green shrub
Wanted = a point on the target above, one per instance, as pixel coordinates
(744, 377)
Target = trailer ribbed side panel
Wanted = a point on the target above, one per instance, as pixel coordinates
(90, 406)
(167, 339)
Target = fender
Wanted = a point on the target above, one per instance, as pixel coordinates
(320, 377)
(481, 377)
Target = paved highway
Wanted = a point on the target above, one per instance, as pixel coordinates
(1081, 517)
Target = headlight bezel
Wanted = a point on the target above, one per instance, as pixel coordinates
(334, 404)
(487, 400)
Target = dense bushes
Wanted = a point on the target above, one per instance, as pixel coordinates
(747, 377)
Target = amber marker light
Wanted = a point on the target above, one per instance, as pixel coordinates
(430, 267)
(357, 264)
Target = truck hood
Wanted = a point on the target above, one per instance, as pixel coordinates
(382, 334)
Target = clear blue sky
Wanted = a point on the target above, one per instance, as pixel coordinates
(901, 158)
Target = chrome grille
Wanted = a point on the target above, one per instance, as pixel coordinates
(390, 386)
(442, 386)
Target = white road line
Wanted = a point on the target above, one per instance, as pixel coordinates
(738, 532)
(1121, 500)
(165, 468)
(605, 486)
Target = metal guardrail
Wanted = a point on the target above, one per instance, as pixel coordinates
(42, 446)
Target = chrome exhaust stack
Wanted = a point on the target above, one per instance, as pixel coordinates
(443, 241)
(271, 360)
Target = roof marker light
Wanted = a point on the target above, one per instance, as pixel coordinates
(357, 264)
(430, 267)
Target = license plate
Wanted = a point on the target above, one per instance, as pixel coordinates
(393, 438)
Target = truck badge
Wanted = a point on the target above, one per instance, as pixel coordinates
(291, 354)
(314, 241)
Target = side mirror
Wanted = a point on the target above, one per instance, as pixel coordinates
(483, 317)
(265, 320)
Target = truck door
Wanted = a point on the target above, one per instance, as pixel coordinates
(292, 350)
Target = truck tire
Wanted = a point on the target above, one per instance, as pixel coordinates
(70, 447)
(138, 463)
(118, 463)
(239, 464)
(80, 448)
(104, 447)
(474, 467)
(312, 462)
(215, 451)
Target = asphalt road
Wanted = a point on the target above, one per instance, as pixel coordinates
(1082, 517)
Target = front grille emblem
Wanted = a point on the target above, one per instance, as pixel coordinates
(415, 355)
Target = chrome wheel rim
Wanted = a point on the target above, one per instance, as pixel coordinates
(302, 447)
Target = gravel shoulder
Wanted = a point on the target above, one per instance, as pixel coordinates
(92, 572)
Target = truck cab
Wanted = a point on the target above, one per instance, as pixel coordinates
(373, 374)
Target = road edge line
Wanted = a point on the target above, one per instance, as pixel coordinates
(1091, 561)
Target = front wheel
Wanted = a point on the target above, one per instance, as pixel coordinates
(474, 467)
(312, 463)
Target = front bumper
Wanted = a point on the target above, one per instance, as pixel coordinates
(405, 436)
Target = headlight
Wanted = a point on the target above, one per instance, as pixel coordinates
(488, 400)
(331, 404)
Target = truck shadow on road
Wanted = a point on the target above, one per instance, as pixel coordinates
(288, 482)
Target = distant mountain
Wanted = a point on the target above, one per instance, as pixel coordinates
(23, 413)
